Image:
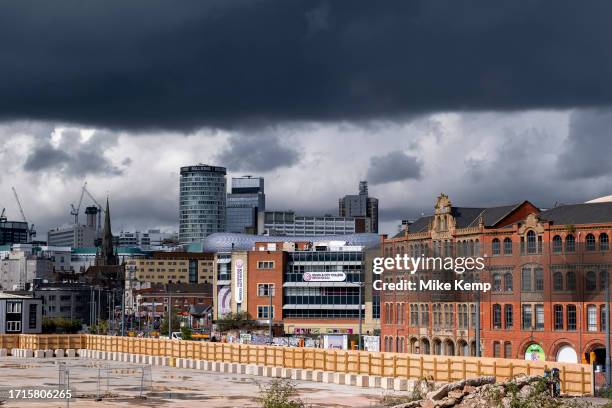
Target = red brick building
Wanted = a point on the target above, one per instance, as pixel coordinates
(548, 271)
(303, 307)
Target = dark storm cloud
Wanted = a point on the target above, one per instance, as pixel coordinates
(72, 157)
(588, 150)
(257, 153)
(162, 64)
(394, 166)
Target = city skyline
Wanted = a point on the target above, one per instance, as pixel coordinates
(132, 180)
(345, 94)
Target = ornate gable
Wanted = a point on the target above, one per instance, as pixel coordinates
(443, 221)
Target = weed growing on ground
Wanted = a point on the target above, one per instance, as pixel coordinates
(279, 393)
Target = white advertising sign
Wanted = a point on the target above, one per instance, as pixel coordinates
(239, 280)
(335, 341)
(371, 343)
(324, 276)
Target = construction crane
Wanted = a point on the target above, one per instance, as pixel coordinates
(100, 208)
(75, 211)
(3, 215)
(31, 230)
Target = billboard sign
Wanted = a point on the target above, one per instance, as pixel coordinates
(371, 343)
(335, 341)
(324, 276)
(224, 296)
(239, 280)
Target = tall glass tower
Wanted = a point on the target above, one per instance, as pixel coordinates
(246, 200)
(201, 202)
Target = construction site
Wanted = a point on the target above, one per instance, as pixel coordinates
(121, 371)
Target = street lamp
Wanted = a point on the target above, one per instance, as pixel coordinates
(360, 286)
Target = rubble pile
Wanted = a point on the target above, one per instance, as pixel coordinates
(484, 392)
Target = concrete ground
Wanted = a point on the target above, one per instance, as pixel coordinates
(169, 387)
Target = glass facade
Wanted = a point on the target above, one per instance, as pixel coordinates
(202, 202)
(246, 199)
(13, 232)
(224, 267)
(289, 224)
(327, 299)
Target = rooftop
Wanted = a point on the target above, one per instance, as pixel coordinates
(227, 241)
(588, 213)
(4, 295)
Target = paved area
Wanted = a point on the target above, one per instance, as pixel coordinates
(166, 387)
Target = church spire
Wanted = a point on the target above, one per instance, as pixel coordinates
(107, 253)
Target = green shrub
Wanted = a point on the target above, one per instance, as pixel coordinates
(279, 393)
(186, 333)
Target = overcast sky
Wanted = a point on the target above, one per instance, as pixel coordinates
(491, 103)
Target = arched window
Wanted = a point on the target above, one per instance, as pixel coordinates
(437, 347)
(477, 247)
(539, 279)
(497, 282)
(604, 243)
(570, 243)
(508, 316)
(603, 279)
(471, 253)
(472, 316)
(425, 315)
(557, 244)
(570, 281)
(590, 242)
(507, 246)
(591, 318)
(497, 316)
(398, 313)
(496, 349)
(507, 349)
(558, 281)
(590, 282)
(508, 284)
(436, 316)
(571, 317)
(447, 316)
(495, 247)
(526, 285)
(463, 317)
(531, 242)
(558, 317)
